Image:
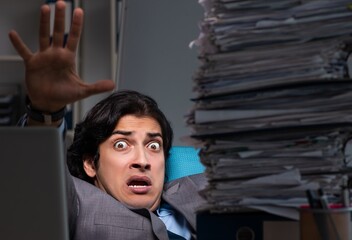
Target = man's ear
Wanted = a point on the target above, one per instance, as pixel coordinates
(89, 167)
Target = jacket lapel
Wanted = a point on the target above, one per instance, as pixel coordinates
(182, 195)
(158, 226)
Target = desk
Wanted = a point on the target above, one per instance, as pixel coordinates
(252, 225)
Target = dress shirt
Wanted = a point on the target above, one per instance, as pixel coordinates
(174, 221)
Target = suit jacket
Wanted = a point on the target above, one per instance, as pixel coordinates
(95, 215)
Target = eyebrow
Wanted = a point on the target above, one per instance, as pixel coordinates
(128, 133)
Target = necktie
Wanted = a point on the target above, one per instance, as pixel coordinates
(174, 236)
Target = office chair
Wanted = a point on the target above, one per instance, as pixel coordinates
(183, 161)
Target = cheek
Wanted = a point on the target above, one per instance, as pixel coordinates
(111, 161)
(160, 166)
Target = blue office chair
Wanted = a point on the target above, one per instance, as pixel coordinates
(183, 161)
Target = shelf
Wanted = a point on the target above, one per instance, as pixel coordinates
(14, 58)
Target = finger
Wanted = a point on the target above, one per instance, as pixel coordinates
(20, 47)
(59, 24)
(44, 28)
(76, 29)
(99, 87)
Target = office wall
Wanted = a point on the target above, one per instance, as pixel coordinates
(22, 16)
(96, 49)
(156, 59)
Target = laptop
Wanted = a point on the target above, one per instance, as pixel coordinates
(32, 184)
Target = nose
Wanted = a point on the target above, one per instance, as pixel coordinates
(141, 161)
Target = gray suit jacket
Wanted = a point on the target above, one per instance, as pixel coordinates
(95, 215)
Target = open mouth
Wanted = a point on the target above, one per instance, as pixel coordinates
(139, 182)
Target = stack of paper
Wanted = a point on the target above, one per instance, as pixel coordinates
(273, 106)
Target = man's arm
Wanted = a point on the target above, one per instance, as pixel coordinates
(51, 78)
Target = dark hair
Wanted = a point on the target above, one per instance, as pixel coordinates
(101, 121)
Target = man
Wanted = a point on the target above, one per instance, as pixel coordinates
(117, 160)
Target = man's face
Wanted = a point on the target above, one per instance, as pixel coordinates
(132, 164)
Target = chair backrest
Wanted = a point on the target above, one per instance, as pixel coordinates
(183, 161)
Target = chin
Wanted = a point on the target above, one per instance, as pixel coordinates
(151, 205)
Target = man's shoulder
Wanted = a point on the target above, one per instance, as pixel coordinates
(195, 181)
(98, 210)
(89, 195)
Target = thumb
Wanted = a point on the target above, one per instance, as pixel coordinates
(99, 87)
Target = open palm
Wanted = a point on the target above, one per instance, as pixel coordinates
(51, 77)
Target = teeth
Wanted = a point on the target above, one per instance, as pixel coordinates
(137, 186)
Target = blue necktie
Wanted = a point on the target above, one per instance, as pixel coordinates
(174, 236)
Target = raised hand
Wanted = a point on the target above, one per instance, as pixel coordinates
(51, 77)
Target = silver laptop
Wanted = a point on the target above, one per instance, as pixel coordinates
(32, 184)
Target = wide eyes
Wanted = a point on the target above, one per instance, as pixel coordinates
(155, 146)
(120, 145)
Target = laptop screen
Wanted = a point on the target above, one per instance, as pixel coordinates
(32, 183)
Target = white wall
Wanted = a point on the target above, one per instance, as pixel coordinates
(156, 58)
